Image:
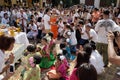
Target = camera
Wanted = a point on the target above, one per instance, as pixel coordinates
(115, 33)
(12, 68)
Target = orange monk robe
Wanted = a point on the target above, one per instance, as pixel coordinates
(54, 26)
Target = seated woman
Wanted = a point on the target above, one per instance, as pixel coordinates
(96, 59)
(82, 57)
(67, 51)
(34, 72)
(46, 61)
(61, 67)
(52, 46)
(85, 71)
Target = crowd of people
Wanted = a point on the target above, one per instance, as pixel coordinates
(88, 36)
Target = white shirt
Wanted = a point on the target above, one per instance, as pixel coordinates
(84, 35)
(102, 31)
(97, 61)
(40, 25)
(75, 15)
(5, 21)
(73, 39)
(2, 13)
(2, 60)
(33, 27)
(40, 14)
(61, 26)
(88, 16)
(22, 16)
(94, 35)
(46, 21)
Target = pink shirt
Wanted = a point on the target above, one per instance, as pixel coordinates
(63, 69)
(73, 75)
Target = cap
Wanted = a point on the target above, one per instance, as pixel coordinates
(62, 57)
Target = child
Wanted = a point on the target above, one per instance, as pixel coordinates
(66, 51)
(34, 72)
(31, 51)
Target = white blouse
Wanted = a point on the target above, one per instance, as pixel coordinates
(2, 60)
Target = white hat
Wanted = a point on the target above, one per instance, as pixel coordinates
(62, 57)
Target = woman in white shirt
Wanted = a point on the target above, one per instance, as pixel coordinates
(96, 59)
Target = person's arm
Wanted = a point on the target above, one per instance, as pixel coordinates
(8, 75)
(113, 58)
(5, 68)
(3, 21)
(11, 60)
(88, 34)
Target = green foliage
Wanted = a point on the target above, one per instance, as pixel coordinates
(74, 2)
(66, 3)
(107, 2)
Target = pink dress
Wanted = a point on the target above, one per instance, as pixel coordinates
(73, 75)
(63, 69)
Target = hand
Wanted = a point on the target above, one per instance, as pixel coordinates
(110, 36)
(87, 31)
(11, 58)
(9, 74)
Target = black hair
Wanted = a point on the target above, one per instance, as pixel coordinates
(69, 27)
(82, 57)
(37, 59)
(88, 49)
(86, 72)
(58, 57)
(39, 19)
(47, 10)
(31, 48)
(62, 45)
(81, 22)
(35, 13)
(5, 14)
(64, 23)
(5, 42)
(96, 9)
(93, 45)
(50, 34)
(31, 17)
(106, 12)
(45, 39)
(64, 52)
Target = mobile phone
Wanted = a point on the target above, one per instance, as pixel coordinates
(12, 68)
